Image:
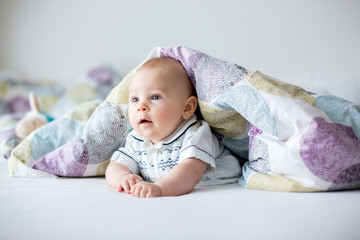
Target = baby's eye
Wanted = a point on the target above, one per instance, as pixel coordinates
(155, 97)
(134, 99)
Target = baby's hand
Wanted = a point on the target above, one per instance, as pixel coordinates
(146, 190)
(127, 182)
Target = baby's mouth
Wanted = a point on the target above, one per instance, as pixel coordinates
(144, 121)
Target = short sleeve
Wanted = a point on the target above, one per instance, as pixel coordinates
(199, 142)
(127, 156)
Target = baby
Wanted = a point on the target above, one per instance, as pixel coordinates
(168, 146)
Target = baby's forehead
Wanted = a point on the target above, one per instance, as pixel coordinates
(165, 65)
(168, 67)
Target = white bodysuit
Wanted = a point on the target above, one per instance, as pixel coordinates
(192, 139)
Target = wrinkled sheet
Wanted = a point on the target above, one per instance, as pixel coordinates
(290, 139)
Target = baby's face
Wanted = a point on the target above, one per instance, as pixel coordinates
(156, 104)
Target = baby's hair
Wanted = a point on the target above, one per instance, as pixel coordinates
(162, 62)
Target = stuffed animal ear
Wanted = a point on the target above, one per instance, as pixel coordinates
(34, 103)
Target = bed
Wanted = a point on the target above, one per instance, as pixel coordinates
(57, 188)
(86, 208)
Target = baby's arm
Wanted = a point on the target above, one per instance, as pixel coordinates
(119, 177)
(183, 177)
(180, 180)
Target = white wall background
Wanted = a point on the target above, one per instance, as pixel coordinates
(313, 43)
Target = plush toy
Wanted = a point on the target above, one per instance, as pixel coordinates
(33, 120)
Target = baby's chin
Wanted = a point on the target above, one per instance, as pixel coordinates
(152, 138)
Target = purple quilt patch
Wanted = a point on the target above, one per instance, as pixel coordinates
(189, 58)
(69, 160)
(331, 151)
(253, 132)
(258, 151)
(210, 76)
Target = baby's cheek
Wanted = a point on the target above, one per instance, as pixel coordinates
(131, 118)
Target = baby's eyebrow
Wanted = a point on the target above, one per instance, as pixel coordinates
(161, 90)
(132, 96)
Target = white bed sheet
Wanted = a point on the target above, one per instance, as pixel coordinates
(86, 208)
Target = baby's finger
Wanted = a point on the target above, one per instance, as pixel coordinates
(132, 183)
(135, 191)
(149, 194)
(126, 187)
(120, 188)
(144, 192)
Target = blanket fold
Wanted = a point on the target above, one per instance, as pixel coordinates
(291, 139)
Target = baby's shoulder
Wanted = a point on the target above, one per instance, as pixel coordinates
(200, 129)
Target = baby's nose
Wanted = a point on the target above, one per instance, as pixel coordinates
(143, 108)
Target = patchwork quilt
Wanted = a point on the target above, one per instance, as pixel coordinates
(287, 139)
(54, 98)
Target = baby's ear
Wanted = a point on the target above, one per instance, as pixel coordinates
(190, 107)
